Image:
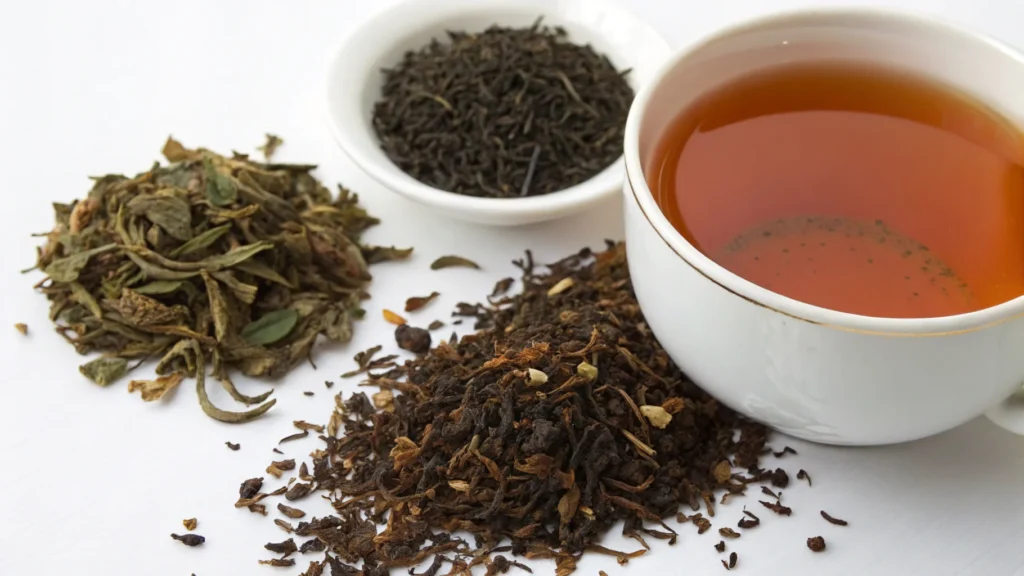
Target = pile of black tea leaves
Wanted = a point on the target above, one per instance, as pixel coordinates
(504, 113)
(529, 439)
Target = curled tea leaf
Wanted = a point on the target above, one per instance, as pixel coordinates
(453, 262)
(153, 390)
(68, 269)
(201, 242)
(376, 254)
(104, 371)
(270, 328)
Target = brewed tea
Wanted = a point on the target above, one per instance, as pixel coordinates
(852, 187)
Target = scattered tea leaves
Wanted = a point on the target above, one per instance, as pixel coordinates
(833, 520)
(415, 340)
(286, 548)
(284, 525)
(769, 492)
(453, 262)
(530, 429)
(786, 450)
(777, 508)
(190, 540)
(816, 544)
(233, 446)
(153, 390)
(270, 328)
(104, 371)
(732, 560)
(750, 521)
(270, 146)
(394, 318)
(779, 478)
(22, 327)
(728, 533)
(293, 437)
(720, 546)
(190, 524)
(417, 302)
(277, 469)
(435, 325)
(290, 512)
(314, 545)
(803, 475)
(502, 287)
(279, 562)
(306, 426)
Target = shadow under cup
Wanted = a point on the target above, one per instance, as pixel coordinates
(811, 372)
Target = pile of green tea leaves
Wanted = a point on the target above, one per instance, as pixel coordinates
(208, 260)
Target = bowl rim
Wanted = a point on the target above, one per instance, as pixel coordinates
(747, 290)
(604, 184)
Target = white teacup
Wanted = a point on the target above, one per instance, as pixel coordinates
(807, 371)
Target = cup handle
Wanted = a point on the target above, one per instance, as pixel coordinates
(1009, 414)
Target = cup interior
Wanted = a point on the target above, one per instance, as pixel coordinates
(973, 64)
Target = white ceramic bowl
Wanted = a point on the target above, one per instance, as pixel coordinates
(814, 373)
(354, 79)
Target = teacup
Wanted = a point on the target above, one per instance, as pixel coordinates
(810, 372)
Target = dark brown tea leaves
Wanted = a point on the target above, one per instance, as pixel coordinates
(503, 113)
(833, 520)
(816, 544)
(414, 303)
(558, 418)
(190, 540)
(209, 261)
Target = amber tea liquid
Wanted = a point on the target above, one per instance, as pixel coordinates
(852, 187)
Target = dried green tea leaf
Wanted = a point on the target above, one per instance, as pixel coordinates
(104, 371)
(453, 262)
(377, 254)
(68, 269)
(220, 188)
(82, 296)
(153, 390)
(416, 302)
(201, 242)
(22, 327)
(167, 209)
(175, 152)
(270, 328)
(160, 287)
(270, 146)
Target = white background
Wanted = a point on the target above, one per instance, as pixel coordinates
(93, 480)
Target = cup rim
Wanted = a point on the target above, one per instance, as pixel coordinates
(747, 290)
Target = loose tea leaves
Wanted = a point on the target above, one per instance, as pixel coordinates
(190, 524)
(190, 540)
(526, 435)
(503, 113)
(415, 340)
(233, 446)
(816, 544)
(836, 521)
(416, 302)
(777, 508)
(290, 512)
(453, 262)
(208, 261)
(22, 328)
(270, 146)
(803, 475)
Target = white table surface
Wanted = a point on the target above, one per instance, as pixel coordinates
(93, 480)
